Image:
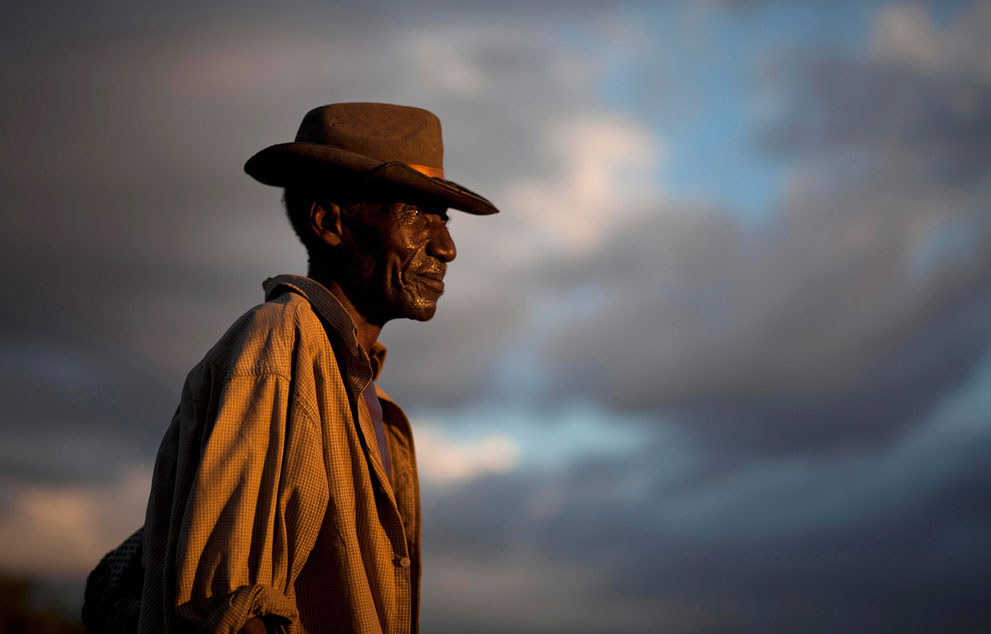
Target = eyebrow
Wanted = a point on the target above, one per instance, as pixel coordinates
(431, 208)
(436, 210)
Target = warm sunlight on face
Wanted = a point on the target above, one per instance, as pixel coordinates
(401, 251)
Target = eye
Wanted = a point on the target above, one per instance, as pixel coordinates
(410, 213)
(412, 210)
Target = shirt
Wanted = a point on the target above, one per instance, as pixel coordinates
(374, 406)
(269, 496)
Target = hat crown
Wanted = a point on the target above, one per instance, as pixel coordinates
(398, 148)
(382, 131)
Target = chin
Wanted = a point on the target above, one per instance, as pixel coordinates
(425, 314)
(422, 310)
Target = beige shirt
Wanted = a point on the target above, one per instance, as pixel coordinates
(269, 496)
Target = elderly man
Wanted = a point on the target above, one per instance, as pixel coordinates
(285, 493)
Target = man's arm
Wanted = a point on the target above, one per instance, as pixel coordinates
(255, 507)
(250, 494)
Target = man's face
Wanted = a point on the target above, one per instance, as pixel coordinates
(397, 256)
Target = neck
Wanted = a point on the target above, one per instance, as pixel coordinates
(368, 332)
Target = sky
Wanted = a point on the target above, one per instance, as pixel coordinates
(722, 363)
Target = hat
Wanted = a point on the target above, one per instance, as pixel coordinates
(355, 143)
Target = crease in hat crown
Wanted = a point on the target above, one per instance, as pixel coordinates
(383, 131)
(403, 145)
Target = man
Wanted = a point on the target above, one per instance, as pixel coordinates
(285, 493)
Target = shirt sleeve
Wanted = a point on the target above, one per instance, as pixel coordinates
(255, 507)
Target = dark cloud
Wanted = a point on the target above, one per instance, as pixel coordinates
(847, 318)
(888, 541)
(778, 329)
(841, 106)
(896, 393)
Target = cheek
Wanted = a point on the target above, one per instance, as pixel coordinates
(393, 272)
(405, 255)
(376, 256)
(359, 265)
(367, 237)
(394, 267)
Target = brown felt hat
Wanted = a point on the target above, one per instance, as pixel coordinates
(365, 143)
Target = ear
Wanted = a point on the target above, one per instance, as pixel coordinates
(325, 221)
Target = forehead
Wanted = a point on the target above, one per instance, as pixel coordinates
(399, 205)
(386, 196)
(424, 206)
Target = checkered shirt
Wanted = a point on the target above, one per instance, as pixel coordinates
(269, 497)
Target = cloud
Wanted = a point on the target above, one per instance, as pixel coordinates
(905, 34)
(444, 460)
(440, 62)
(886, 539)
(65, 529)
(545, 595)
(71, 413)
(606, 178)
(822, 336)
(845, 319)
(880, 236)
(154, 240)
(593, 174)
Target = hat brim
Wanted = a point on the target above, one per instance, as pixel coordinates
(288, 164)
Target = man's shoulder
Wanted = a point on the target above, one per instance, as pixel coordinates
(266, 338)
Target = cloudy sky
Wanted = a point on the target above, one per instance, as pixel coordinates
(723, 363)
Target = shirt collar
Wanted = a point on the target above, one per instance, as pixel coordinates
(331, 311)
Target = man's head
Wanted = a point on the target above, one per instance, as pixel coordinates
(389, 256)
(366, 193)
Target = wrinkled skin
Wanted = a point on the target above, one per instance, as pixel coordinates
(395, 256)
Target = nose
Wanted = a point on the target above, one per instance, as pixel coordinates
(441, 245)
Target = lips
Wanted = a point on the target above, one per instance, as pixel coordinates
(433, 281)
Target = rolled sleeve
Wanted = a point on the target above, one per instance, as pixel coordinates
(247, 602)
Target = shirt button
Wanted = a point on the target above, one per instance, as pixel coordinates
(404, 562)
